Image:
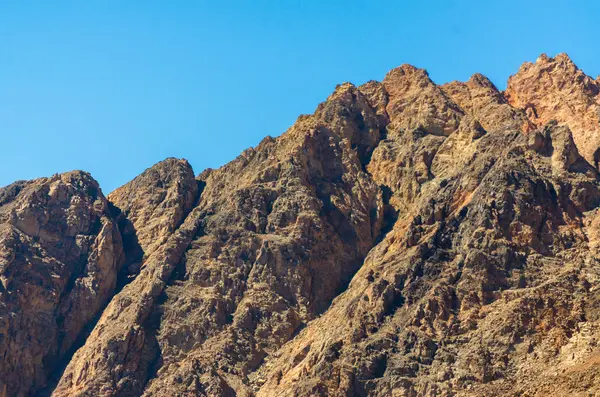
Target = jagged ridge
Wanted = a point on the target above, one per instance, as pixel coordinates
(405, 239)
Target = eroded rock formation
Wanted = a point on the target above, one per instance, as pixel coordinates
(60, 253)
(556, 89)
(406, 239)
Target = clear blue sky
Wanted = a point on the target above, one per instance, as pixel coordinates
(112, 87)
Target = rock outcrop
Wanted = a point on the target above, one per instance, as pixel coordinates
(276, 235)
(406, 239)
(556, 89)
(60, 253)
(152, 206)
(480, 98)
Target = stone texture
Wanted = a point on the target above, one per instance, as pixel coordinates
(152, 206)
(478, 291)
(556, 89)
(248, 268)
(60, 253)
(480, 98)
(406, 239)
(416, 102)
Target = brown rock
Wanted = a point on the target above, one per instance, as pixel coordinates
(60, 253)
(406, 239)
(416, 102)
(480, 98)
(465, 296)
(556, 89)
(251, 268)
(152, 206)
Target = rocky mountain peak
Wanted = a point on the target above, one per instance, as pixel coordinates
(482, 81)
(153, 205)
(406, 238)
(417, 102)
(556, 89)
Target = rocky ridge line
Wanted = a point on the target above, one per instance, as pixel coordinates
(405, 239)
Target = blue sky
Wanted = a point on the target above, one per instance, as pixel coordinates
(113, 87)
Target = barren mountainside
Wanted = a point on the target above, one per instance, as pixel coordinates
(406, 239)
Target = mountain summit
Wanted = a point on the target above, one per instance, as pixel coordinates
(406, 239)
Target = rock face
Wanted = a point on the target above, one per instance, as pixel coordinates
(152, 206)
(60, 253)
(556, 89)
(248, 268)
(406, 239)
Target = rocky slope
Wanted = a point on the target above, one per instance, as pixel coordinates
(406, 239)
(60, 253)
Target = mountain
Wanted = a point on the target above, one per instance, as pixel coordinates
(406, 239)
